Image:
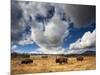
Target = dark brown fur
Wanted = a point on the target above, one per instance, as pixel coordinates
(27, 61)
(61, 60)
(80, 58)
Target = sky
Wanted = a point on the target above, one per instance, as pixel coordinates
(52, 28)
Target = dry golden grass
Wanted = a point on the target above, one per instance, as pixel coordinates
(49, 65)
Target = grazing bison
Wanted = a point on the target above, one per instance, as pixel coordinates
(61, 60)
(27, 61)
(80, 58)
(44, 57)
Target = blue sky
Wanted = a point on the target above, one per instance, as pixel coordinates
(75, 33)
(51, 27)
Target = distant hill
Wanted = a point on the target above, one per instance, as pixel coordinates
(89, 53)
(86, 53)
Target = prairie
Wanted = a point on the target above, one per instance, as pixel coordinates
(48, 64)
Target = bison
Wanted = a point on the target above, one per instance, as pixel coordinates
(61, 60)
(80, 58)
(44, 57)
(27, 61)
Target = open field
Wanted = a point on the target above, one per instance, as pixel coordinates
(40, 65)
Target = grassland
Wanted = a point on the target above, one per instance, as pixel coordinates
(40, 65)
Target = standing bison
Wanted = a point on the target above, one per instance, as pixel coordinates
(44, 56)
(80, 58)
(27, 61)
(61, 60)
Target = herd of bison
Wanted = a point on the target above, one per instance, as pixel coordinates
(51, 63)
(60, 60)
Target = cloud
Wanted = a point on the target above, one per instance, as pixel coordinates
(45, 51)
(48, 22)
(88, 40)
(79, 51)
(25, 14)
(14, 47)
(25, 41)
(52, 38)
(81, 15)
(48, 35)
(37, 51)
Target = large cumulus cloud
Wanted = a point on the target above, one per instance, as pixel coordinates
(47, 23)
(52, 38)
(88, 40)
(23, 14)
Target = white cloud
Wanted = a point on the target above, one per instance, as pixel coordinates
(52, 38)
(33, 8)
(56, 30)
(36, 51)
(13, 47)
(79, 51)
(46, 51)
(25, 42)
(88, 40)
(20, 15)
